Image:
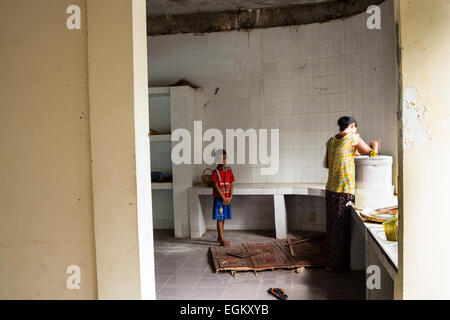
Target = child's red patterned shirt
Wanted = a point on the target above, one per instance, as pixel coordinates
(223, 177)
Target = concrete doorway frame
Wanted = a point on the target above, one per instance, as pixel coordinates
(118, 102)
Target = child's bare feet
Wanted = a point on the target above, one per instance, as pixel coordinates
(224, 243)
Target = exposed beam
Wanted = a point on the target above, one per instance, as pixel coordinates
(204, 22)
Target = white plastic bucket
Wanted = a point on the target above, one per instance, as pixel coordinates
(374, 187)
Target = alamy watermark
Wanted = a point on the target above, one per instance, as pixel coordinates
(374, 20)
(73, 22)
(374, 279)
(74, 280)
(236, 154)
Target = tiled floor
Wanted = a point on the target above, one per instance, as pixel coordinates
(184, 271)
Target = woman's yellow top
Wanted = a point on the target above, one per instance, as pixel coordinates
(341, 163)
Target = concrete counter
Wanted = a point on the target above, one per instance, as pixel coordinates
(278, 190)
(370, 247)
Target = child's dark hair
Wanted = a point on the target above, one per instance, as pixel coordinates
(345, 121)
(218, 155)
(220, 152)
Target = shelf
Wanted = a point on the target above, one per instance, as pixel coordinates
(159, 90)
(162, 185)
(160, 137)
(162, 101)
(159, 109)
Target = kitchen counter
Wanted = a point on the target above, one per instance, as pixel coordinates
(312, 189)
(369, 243)
(376, 230)
(277, 190)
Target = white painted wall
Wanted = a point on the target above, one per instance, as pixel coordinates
(45, 186)
(61, 91)
(299, 79)
(423, 212)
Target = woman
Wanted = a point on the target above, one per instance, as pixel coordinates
(339, 159)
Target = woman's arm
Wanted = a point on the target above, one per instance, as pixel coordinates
(364, 149)
(325, 160)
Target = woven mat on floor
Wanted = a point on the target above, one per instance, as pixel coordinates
(267, 256)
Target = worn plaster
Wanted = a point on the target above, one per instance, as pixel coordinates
(414, 113)
(251, 18)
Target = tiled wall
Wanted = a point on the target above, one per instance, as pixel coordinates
(248, 212)
(299, 79)
(162, 209)
(305, 213)
(257, 213)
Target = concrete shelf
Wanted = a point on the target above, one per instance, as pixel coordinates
(160, 137)
(159, 90)
(162, 185)
(170, 108)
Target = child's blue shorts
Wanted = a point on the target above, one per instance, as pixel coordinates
(221, 212)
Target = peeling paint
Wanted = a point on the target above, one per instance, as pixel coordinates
(414, 131)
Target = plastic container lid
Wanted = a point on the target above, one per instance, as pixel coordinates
(375, 161)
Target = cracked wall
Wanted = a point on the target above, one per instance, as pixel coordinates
(263, 17)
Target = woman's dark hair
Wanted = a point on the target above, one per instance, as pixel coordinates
(344, 122)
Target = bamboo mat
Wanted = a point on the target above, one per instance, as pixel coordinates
(267, 256)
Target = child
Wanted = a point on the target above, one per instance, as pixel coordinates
(222, 178)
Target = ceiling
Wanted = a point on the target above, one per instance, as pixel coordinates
(177, 7)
